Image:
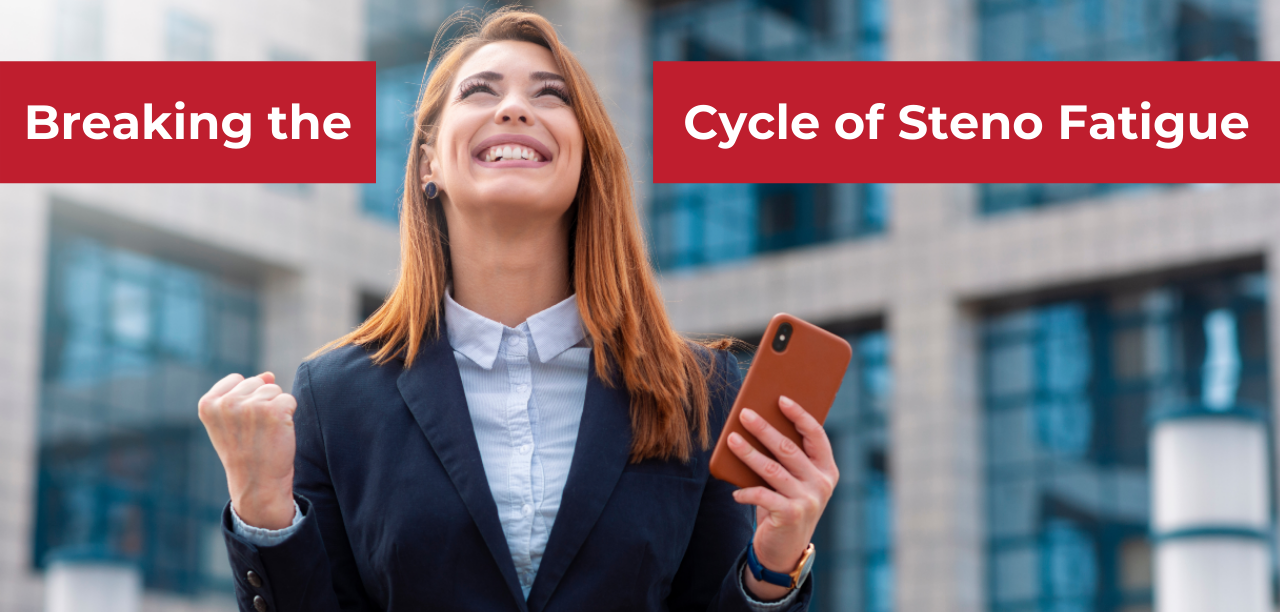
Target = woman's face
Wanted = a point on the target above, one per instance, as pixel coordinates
(509, 145)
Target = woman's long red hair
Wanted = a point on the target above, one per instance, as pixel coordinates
(618, 298)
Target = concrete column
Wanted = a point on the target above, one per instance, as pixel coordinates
(936, 459)
(1210, 511)
(1273, 327)
(93, 587)
(932, 30)
(939, 539)
(284, 340)
(1269, 30)
(24, 219)
(301, 313)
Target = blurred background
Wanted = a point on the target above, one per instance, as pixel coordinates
(1031, 362)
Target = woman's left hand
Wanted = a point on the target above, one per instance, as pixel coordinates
(802, 480)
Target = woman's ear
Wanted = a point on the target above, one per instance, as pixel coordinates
(428, 168)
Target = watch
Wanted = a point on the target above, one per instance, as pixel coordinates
(789, 580)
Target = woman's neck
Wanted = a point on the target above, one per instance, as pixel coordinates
(508, 272)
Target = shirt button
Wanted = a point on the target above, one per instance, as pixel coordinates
(254, 579)
(523, 449)
(526, 509)
(513, 340)
(259, 603)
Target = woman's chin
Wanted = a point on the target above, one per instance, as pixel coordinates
(521, 198)
(522, 187)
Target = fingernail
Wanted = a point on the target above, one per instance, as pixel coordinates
(749, 414)
(734, 438)
(786, 401)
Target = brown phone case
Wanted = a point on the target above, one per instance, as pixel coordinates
(808, 369)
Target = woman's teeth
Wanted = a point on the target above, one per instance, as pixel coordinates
(510, 152)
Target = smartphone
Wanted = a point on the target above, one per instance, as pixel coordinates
(797, 359)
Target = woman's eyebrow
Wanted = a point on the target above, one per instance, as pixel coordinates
(487, 75)
(546, 76)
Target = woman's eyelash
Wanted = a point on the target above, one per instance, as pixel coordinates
(555, 89)
(473, 87)
(551, 87)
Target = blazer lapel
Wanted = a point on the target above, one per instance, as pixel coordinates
(601, 452)
(432, 388)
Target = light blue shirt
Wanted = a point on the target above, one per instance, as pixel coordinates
(525, 388)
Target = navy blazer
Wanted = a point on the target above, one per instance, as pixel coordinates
(398, 514)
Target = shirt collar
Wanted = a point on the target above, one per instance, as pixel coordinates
(479, 339)
(556, 329)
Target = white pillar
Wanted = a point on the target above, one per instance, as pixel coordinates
(1210, 511)
(87, 586)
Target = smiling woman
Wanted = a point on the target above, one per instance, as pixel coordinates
(509, 99)
(518, 427)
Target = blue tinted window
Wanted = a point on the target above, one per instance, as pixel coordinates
(398, 36)
(187, 38)
(79, 30)
(1068, 387)
(1101, 30)
(397, 96)
(854, 567)
(126, 471)
(694, 224)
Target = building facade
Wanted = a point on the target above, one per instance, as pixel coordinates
(120, 303)
(1035, 329)
(1010, 341)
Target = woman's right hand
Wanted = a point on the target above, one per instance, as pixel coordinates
(250, 422)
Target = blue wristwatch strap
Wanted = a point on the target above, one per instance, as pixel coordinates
(764, 574)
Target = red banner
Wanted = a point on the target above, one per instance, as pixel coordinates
(966, 122)
(187, 122)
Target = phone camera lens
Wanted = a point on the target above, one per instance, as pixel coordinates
(781, 338)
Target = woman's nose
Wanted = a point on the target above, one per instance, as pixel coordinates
(514, 111)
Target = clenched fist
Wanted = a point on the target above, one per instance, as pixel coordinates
(250, 422)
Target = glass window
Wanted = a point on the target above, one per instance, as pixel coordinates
(694, 224)
(79, 30)
(854, 566)
(1101, 30)
(187, 38)
(126, 471)
(1068, 387)
(397, 98)
(398, 35)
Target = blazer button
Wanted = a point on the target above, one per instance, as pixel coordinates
(259, 603)
(254, 579)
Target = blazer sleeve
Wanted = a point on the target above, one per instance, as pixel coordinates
(312, 570)
(708, 579)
